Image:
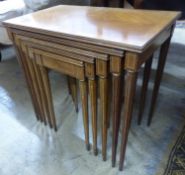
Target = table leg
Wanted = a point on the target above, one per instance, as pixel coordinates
(84, 98)
(146, 77)
(129, 92)
(116, 96)
(29, 84)
(41, 91)
(93, 101)
(104, 113)
(73, 88)
(109, 100)
(33, 81)
(47, 90)
(159, 73)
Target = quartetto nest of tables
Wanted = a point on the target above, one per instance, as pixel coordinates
(102, 48)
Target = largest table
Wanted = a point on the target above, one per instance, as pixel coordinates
(89, 43)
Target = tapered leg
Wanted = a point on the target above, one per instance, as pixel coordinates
(40, 89)
(84, 98)
(47, 90)
(109, 101)
(93, 100)
(104, 113)
(130, 85)
(73, 88)
(146, 78)
(29, 84)
(116, 78)
(33, 81)
(159, 73)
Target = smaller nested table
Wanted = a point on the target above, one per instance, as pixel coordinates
(90, 44)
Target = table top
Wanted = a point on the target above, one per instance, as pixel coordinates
(117, 28)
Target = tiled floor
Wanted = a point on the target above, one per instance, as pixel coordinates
(27, 147)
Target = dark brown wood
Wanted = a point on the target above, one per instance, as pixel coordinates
(130, 85)
(93, 101)
(159, 73)
(116, 96)
(74, 91)
(66, 50)
(102, 72)
(115, 68)
(104, 113)
(84, 98)
(146, 77)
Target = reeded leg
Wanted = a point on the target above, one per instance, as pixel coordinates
(93, 100)
(104, 113)
(116, 96)
(130, 85)
(159, 73)
(74, 91)
(47, 90)
(84, 98)
(146, 78)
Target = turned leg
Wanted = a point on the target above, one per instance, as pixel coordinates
(159, 73)
(73, 90)
(146, 77)
(129, 92)
(47, 90)
(84, 98)
(116, 96)
(93, 101)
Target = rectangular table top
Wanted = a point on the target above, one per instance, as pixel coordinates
(112, 27)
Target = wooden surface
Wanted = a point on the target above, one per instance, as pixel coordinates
(91, 44)
(118, 28)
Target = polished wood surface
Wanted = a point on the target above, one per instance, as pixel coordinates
(117, 28)
(113, 41)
